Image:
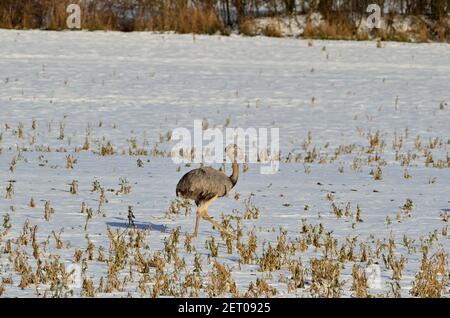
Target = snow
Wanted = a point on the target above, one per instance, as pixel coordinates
(144, 85)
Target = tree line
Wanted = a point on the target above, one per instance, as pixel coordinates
(164, 14)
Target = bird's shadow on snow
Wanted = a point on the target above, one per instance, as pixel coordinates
(139, 225)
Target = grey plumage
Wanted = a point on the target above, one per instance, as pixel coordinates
(204, 184)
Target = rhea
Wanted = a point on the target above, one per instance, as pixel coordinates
(205, 185)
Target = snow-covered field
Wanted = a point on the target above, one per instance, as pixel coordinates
(361, 129)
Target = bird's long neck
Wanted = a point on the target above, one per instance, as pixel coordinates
(235, 176)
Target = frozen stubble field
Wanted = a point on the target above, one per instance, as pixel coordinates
(364, 178)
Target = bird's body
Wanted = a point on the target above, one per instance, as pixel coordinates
(204, 186)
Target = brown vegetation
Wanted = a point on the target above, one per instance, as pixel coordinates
(341, 18)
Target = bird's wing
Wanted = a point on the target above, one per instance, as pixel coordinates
(204, 184)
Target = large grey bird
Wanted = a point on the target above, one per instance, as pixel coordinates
(205, 185)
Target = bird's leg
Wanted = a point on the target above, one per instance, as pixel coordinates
(197, 221)
(206, 217)
(202, 212)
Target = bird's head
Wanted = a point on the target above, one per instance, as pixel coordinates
(233, 152)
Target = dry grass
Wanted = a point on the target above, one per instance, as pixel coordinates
(272, 30)
(432, 279)
(248, 27)
(175, 16)
(334, 29)
(202, 17)
(188, 20)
